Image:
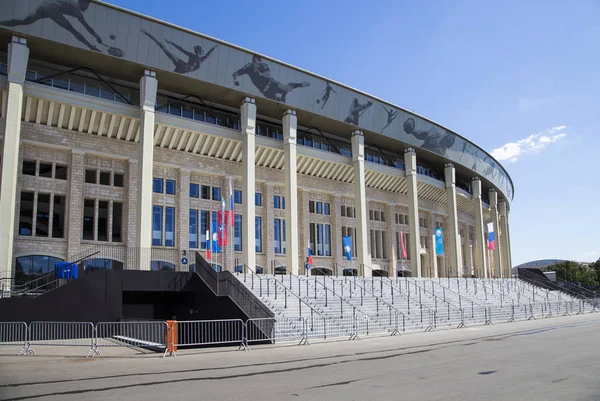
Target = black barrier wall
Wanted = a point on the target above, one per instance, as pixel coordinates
(111, 295)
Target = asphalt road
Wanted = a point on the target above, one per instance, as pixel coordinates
(551, 359)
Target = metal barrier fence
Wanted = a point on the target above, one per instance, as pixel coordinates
(276, 330)
(66, 334)
(160, 336)
(14, 334)
(207, 332)
(126, 334)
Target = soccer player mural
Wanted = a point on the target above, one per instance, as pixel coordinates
(356, 110)
(194, 60)
(432, 139)
(260, 75)
(58, 11)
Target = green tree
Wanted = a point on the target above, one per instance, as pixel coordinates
(576, 273)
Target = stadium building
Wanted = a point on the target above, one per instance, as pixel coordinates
(124, 136)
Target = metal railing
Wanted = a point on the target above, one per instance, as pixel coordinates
(151, 334)
(66, 334)
(213, 332)
(14, 334)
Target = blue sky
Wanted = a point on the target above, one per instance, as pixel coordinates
(519, 79)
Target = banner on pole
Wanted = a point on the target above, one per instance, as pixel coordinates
(347, 243)
(439, 241)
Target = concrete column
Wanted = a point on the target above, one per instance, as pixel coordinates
(74, 217)
(390, 211)
(479, 243)
(360, 204)
(269, 224)
(182, 222)
(131, 213)
(18, 55)
(505, 240)
(493, 196)
(454, 248)
(248, 114)
(290, 123)
(410, 163)
(305, 226)
(148, 89)
(336, 233)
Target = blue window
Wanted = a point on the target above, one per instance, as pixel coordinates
(157, 225)
(320, 239)
(170, 187)
(257, 199)
(327, 240)
(237, 196)
(258, 233)
(169, 226)
(277, 202)
(193, 229)
(205, 192)
(157, 185)
(194, 191)
(283, 202)
(237, 232)
(277, 235)
(283, 234)
(326, 208)
(204, 224)
(157, 265)
(216, 193)
(319, 207)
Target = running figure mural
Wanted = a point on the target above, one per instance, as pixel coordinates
(58, 11)
(356, 110)
(260, 75)
(194, 60)
(391, 116)
(326, 93)
(432, 140)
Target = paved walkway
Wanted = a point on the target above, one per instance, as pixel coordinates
(550, 359)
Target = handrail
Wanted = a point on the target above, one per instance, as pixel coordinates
(382, 300)
(537, 284)
(313, 310)
(578, 288)
(435, 296)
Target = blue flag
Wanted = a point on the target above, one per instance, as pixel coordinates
(439, 241)
(215, 237)
(347, 243)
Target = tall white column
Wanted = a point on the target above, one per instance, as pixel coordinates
(480, 257)
(148, 89)
(290, 125)
(18, 55)
(454, 248)
(505, 239)
(497, 256)
(410, 163)
(363, 256)
(248, 114)
(390, 211)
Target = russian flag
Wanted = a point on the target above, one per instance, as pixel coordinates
(310, 258)
(491, 242)
(231, 201)
(208, 245)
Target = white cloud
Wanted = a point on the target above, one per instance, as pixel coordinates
(533, 143)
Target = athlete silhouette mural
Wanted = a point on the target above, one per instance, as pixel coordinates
(260, 75)
(432, 139)
(391, 116)
(58, 11)
(194, 60)
(356, 110)
(326, 93)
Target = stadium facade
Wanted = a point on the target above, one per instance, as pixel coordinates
(125, 134)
